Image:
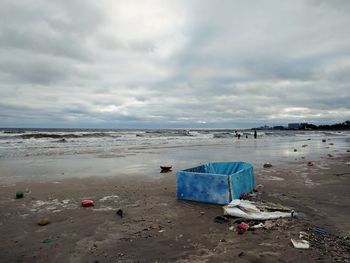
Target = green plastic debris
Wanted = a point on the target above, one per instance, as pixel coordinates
(19, 195)
(47, 241)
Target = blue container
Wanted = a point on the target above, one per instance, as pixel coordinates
(216, 183)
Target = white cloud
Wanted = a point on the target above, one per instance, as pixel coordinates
(173, 63)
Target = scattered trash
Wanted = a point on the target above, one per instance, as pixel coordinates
(267, 165)
(47, 241)
(304, 145)
(215, 182)
(43, 222)
(242, 227)
(19, 195)
(301, 243)
(329, 155)
(303, 234)
(120, 213)
(260, 186)
(221, 219)
(260, 225)
(331, 143)
(201, 212)
(324, 140)
(295, 150)
(309, 163)
(320, 231)
(231, 228)
(161, 231)
(241, 254)
(249, 210)
(165, 169)
(87, 203)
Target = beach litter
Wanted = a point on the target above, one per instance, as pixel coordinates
(43, 221)
(324, 140)
(309, 163)
(304, 145)
(295, 150)
(267, 165)
(300, 243)
(320, 231)
(19, 195)
(119, 213)
(215, 182)
(47, 241)
(165, 169)
(87, 203)
(260, 225)
(256, 211)
(242, 227)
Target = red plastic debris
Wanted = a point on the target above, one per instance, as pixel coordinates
(242, 227)
(87, 203)
(310, 163)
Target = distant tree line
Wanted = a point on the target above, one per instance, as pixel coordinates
(308, 126)
(338, 126)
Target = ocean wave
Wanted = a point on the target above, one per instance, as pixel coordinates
(168, 133)
(65, 136)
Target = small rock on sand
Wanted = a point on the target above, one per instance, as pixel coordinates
(43, 222)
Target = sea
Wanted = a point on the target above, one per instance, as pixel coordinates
(58, 153)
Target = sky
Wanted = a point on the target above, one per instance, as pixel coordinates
(173, 64)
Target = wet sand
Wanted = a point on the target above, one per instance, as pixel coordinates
(156, 227)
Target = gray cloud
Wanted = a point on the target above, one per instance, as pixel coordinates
(174, 63)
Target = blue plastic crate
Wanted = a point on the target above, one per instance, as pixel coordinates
(216, 183)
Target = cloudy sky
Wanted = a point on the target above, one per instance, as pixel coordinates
(126, 64)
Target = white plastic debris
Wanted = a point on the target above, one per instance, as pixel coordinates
(249, 210)
(300, 243)
(260, 225)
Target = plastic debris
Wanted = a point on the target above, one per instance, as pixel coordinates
(87, 203)
(324, 140)
(249, 210)
(19, 195)
(260, 225)
(267, 165)
(304, 145)
(295, 150)
(303, 234)
(47, 241)
(242, 227)
(320, 231)
(309, 163)
(300, 243)
(43, 222)
(120, 213)
(165, 169)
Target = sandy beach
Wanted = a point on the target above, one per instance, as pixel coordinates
(156, 227)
